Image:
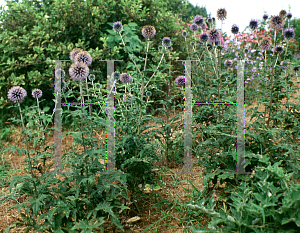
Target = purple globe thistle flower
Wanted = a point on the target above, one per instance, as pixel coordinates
(125, 78)
(127, 97)
(79, 71)
(184, 34)
(235, 29)
(289, 15)
(228, 63)
(37, 93)
(204, 37)
(117, 26)
(166, 41)
(221, 14)
(180, 80)
(296, 69)
(265, 44)
(276, 22)
(83, 57)
(289, 33)
(265, 16)
(253, 24)
(214, 35)
(16, 94)
(148, 31)
(74, 52)
(199, 20)
(279, 49)
(204, 26)
(194, 27)
(282, 13)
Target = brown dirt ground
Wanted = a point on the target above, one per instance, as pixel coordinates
(150, 214)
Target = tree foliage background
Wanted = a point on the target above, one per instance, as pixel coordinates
(32, 32)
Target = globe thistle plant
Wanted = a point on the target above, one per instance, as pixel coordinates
(180, 80)
(204, 26)
(79, 71)
(279, 49)
(282, 13)
(166, 41)
(198, 19)
(209, 46)
(253, 24)
(194, 27)
(184, 34)
(92, 77)
(289, 33)
(276, 22)
(209, 20)
(246, 50)
(74, 52)
(265, 44)
(235, 29)
(289, 15)
(117, 27)
(204, 37)
(84, 57)
(148, 31)
(221, 14)
(213, 19)
(228, 63)
(36, 93)
(125, 78)
(192, 44)
(265, 17)
(16, 94)
(116, 75)
(214, 35)
(170, 48)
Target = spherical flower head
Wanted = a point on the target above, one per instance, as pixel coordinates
(74, 52)
(265, 44)
(282, 13)
(148, 93)
(192, 43)
(148, 31)
(194, 27)
(289, 15)
(127, 97)
(235, 29)
(79, 71)
(166, 41)
(198, 19)
(253, 24)
(296, 69)
(209, 20)
(246, 50)
(184, 34)
(98, 86)
(116, 75)
(92, 77)
(16, 94)
(265, 17)
(214, 35)
(180, 80)
(83, 57)
(204, 26)
(204, 37)
(160, 48)
(60, 72)
(228, 63)
(125, 78)
(276, 22)
(279, 49)
(221, 14)
(117, 26)
(289, 33)
(213, 19)
(36, 93)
